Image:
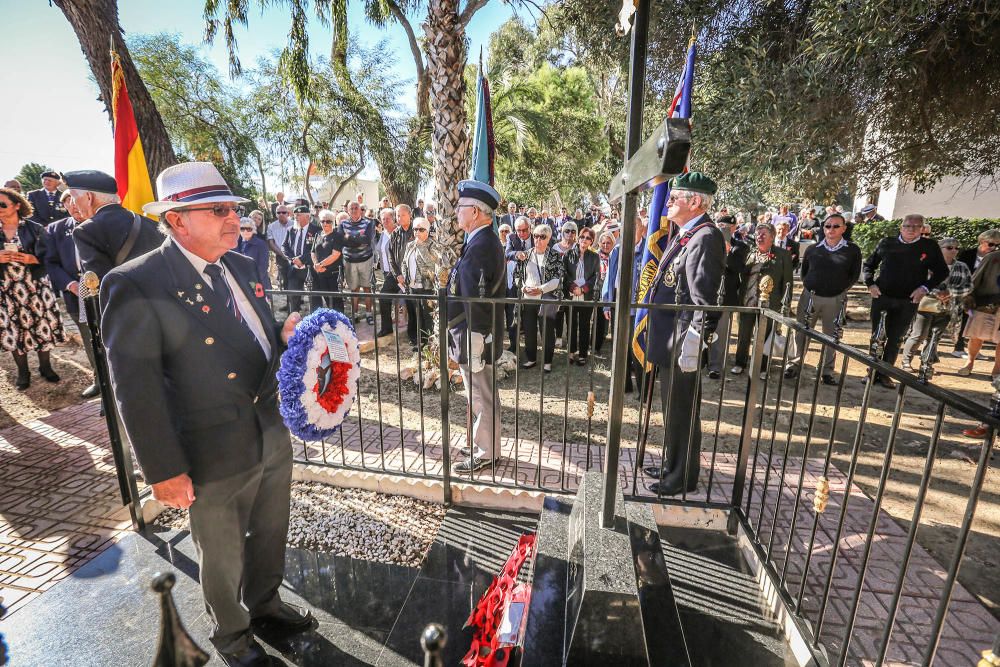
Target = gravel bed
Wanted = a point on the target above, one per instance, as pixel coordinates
(351, 522)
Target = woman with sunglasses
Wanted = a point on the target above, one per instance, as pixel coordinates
(29, 316)
(540, 275)
(420, 258)
(583, 267)
(947, 305)
(327, 251)
(255, 248)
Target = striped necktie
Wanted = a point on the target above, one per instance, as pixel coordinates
(221, 287)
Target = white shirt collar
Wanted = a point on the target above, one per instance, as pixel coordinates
(197, 262)
(468, 237)
(840, 244)
(900, 237)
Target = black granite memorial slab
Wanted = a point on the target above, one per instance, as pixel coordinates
(544, 636)
(603, 617)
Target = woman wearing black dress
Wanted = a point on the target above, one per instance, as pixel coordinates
(326, 256)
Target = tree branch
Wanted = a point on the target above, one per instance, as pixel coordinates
(470, 10)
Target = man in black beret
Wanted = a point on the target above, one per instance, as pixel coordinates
(475, 330)
(690, 272)
(45, 200)
(298, 249)
(110, 235)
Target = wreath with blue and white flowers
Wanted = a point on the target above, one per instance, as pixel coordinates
(318, 378)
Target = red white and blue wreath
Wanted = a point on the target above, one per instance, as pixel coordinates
(318, 379)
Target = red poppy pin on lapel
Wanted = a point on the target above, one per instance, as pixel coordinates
(258, 290)
(205, 308)
(923, 256)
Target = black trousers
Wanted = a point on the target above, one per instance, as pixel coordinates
(601, 326)
(531, 320)
(419, 317)
(748, 322)
(385, 306)
(679, 428)
(296, 280)
(898, 315)
(282, 265)
(81, 324)
(579, 329)
(329, 281)
(510, 315)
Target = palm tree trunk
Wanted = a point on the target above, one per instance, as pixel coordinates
(95, 23)
(444, 34)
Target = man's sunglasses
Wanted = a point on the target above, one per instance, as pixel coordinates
(832, 226)
(282, 212)
(218, 210)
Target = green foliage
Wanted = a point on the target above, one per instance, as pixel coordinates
(868, 234)
(30, 176)
(203, 115)
(802, 98)
(546, 118)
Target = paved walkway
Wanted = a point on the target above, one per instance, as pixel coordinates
(59, 507)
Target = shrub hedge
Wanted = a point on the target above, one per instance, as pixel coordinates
(867, 235)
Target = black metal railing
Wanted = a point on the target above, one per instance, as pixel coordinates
(776, 451)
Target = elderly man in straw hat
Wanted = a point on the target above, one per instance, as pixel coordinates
(194, 352)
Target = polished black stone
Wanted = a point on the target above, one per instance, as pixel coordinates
(720, 604)
(662, 629)
(544, 633)
(603, 617)
(106, 614)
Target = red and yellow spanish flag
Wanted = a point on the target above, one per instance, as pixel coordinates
(134, 186)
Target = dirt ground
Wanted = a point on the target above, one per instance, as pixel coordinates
(563, 414)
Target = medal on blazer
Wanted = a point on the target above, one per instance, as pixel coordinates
(669, 278)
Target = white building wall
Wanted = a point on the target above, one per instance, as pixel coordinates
(950, 198)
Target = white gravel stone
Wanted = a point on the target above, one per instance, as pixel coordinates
(352, 522)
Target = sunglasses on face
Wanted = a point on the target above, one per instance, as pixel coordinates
(949, 247)
(832, 226)
(4, 204)
(246, 229)
(218, 210)
(992, 245)
(540, 236)
(421, 229)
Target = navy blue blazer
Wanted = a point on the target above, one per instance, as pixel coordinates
(101, 237)
(696, 276)
(311, 231)
(196, 393)
(257, 250)
(45, 212)
(516, 244)
(60, 260)
(482, 260)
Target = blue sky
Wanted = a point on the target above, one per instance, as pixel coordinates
(56, 118)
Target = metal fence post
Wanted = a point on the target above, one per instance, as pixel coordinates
(445, 389)
(746, 434)
(626, 252)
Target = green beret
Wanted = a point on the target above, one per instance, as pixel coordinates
(694, 181)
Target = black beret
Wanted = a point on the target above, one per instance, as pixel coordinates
(725, 220)
(479, 191)
(91, 180)
(302, 208)
(51, 174)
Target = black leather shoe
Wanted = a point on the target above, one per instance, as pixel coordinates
(288, 619)
(383, 332)
(791, 372)
(91, 391)
(829, 380)
(886, 382)
(654, 471)
(714, 375)
(253, 656)
(672, 487)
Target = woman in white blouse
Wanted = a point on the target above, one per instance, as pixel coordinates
(540, 275)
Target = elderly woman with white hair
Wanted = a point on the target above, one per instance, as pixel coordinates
(540, 275)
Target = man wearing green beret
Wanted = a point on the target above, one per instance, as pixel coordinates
(690, 273)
